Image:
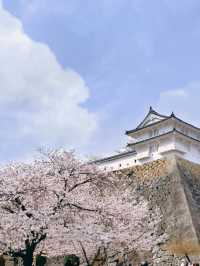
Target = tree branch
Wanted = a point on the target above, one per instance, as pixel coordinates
(80, 207)
(84, 253)
(8, 209)
(81, 183)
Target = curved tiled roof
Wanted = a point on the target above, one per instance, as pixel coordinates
(151, 111)
(138, 129)
(165, 118)
(162, 135)
(116, 156)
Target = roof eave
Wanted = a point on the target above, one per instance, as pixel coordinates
(172, 116)
(152, 138)
(128, 132)
(163, 135)
(116, 156)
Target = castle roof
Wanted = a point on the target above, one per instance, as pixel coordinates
(116, 156)
(154, 118)
(163, 135)
(151, 117)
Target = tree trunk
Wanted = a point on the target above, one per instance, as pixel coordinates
(28, 260)
(187, 257)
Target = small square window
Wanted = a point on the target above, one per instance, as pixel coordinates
(155, 132)
(153, 148)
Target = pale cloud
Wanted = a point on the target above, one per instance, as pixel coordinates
(177, 93)
(183, 101)
(43, 100)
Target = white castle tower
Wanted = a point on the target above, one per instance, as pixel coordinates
(156, 137)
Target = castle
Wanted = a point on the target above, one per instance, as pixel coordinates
(170, 185)
(156, 137)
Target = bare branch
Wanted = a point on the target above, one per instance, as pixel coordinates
(81, 183)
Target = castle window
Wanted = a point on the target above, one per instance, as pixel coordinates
(153, 148)
(189, 146)
(157, 147)
(155, 132)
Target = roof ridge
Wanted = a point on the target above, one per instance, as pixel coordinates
(151, 111)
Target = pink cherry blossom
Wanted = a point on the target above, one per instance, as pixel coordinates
(59, 205)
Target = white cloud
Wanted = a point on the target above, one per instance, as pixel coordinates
(42, 99)
(183, 101)
(177, 93)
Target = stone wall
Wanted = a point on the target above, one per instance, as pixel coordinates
(149, 171)
(174, 187)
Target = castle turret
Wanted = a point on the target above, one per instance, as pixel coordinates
(156, 137)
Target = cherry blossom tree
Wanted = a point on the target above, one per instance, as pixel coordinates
(60, 205)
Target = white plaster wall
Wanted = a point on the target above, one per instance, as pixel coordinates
(191, 149)
(142, 155)
(147, 133)
(142, 150)
(170, 144)
(194, 154)
(188, 131)
(182, 145)
(120, 163)
(139, 136)
(166, 144)
(166, 128)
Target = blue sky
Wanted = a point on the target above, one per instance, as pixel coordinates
(112, 59)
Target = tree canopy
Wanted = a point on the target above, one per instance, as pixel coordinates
(59, 205)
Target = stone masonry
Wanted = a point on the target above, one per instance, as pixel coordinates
(174, 186)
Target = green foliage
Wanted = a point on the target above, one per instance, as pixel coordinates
(41, 261)
(71, 260)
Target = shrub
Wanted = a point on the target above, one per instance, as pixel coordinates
(71, 260)
(41, 261)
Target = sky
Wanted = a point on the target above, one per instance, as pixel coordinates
(76, 74)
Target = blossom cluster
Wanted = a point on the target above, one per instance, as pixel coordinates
(60, 205)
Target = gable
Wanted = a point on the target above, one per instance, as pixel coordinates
(151, 118)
